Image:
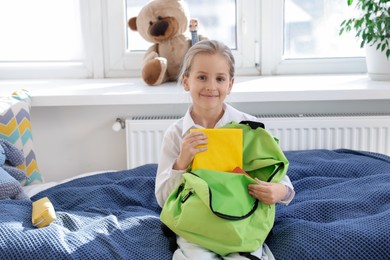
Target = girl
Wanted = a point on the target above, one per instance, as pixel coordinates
(208, 74)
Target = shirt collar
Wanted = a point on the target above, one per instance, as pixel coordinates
(188, 122)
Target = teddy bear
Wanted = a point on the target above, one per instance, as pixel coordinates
(165, 23)
(10, 176)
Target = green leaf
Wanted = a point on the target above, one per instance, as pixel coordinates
(372, 25)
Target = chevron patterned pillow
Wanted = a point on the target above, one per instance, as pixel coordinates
(15, 127)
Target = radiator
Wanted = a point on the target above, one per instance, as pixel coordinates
(368, 132)
(143, 138)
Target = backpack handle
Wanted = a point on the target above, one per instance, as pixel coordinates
(253, 124)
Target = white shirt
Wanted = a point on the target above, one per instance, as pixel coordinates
(167, 179)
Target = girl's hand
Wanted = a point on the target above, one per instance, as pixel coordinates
(267, 192)
(188, 149)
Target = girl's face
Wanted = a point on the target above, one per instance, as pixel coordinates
(208, 82)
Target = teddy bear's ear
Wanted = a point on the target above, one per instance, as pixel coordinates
(133, 23)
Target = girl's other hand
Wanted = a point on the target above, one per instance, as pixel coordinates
(267, 192)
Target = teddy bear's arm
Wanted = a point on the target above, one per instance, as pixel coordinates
(151, 53)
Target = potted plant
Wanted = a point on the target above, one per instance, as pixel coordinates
(372, 27)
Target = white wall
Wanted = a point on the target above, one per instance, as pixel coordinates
(70, 140)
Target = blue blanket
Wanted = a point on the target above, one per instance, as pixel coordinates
(341, 209)
(106, 216)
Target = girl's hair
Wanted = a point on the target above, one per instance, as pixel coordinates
(206, 47)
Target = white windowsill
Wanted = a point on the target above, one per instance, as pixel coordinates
(132, 91)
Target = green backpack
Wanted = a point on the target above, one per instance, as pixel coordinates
(214, 209)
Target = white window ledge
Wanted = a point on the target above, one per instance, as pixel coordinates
(131, 91)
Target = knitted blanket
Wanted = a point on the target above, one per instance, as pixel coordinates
(106, 216)
(341, 209)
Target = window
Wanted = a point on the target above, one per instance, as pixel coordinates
(311, 30)
(41, 34)
(90, 39)
(306, 39)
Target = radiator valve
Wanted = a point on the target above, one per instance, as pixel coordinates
(118, 125)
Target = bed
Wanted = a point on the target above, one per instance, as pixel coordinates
(341, 211)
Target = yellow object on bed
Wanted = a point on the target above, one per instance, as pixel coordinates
(43, 213)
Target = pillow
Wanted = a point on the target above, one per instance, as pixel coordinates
(15, 127)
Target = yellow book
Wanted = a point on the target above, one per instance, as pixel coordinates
(224, 150)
